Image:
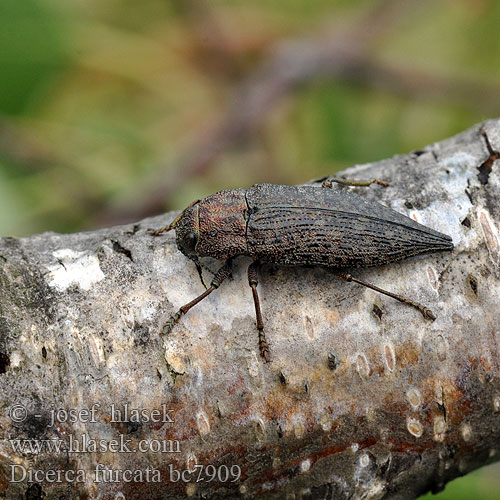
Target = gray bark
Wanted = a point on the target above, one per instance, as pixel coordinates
(404, 406)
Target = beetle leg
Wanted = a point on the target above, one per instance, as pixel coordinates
(327, 183)
(223, 273)
(253, 281)
(427, 313)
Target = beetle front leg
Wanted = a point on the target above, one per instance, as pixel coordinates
(223, 273)
(426, 312)
(253, 281)
(327, 183)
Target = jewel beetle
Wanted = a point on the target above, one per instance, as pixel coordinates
(298, 225)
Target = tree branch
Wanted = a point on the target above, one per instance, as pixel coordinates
(363, 398)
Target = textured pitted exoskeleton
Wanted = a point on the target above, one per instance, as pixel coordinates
(302, 225)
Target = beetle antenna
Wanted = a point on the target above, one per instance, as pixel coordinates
(167, 228)
(172, 224)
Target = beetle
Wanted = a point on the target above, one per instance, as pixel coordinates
(298, 225)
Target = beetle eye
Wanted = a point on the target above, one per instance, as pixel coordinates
(189, 241)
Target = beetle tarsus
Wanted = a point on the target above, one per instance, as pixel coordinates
(219, 277)
(167, 327)
(327, 183)
(253, 281)
(428, 314)
(263, 347)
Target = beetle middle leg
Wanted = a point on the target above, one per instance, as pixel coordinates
(253, 281)
(327, 183)
(223, 273)
(426, 312)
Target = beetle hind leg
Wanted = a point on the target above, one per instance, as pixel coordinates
(253, 281)
(426, 312)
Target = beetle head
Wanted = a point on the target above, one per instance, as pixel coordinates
(187, 230)
(213, 227)
(187, 234)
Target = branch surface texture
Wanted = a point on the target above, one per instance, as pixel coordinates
(363, 399)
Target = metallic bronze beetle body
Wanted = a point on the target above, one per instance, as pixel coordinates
(302, 225)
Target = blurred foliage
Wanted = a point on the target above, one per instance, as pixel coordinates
(479, 485)
(98, 95)
(32, 55)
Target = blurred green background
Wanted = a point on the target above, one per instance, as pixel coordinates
(111, 110)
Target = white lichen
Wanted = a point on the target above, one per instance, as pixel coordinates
(74, 268)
